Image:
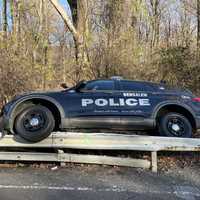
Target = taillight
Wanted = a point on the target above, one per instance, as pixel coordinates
(197, 99)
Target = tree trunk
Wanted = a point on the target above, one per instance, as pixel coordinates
(198, 45)
(43, 31)
(198, 27)
(155, 22)
(5, 20)
(79, 9)
(41, 16)
(79, 30)
(65, 17)
(121, 16)
(14, 11)
(16, 20)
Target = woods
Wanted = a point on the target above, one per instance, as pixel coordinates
(46, 42)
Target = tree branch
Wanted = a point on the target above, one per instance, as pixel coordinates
(65, 17)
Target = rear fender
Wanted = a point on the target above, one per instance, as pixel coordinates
(171, 103)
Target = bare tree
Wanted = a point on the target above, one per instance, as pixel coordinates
(78, 28)
(198, 27)
(155, 14)
(5, 18)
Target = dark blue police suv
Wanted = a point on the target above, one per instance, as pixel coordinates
(104, 104)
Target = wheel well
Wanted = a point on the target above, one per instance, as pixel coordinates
(51, 106)
(177, 109)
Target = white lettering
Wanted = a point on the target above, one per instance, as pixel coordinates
(136, 94)
(116, 102)
(86, 102)
(113, 103)
(131, 102)
(144, 102)
(121, 102)
(101, 102)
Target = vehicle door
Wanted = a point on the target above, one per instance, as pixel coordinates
(94, 105)
(136, 103)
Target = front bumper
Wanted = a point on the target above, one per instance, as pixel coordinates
(4, 124)
(1, 124)
(197, 119)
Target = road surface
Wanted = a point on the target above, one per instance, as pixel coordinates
(96, 183)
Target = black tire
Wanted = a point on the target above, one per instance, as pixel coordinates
(174, 125)
(34, 123)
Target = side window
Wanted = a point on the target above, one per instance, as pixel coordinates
(100, 85)
(134, 86)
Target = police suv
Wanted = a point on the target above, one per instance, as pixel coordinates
(104, 104)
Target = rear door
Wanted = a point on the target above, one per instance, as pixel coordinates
(136, 106)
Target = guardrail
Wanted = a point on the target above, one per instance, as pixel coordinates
(96, 141)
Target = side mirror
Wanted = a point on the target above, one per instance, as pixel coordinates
(64, 85)
(163, 82)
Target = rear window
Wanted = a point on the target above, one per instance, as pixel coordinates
(135, 86)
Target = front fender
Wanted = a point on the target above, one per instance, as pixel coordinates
(11, 113)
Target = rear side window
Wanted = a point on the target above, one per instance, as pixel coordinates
(135, 86)
(100, 85)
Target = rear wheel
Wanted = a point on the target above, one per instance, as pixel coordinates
(34, 123)
(174, 125)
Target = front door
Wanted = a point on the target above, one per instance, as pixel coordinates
(95, 105)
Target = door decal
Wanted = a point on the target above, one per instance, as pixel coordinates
(101, 102)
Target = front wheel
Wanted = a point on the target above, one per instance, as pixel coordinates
(34, 123)
(174, 125)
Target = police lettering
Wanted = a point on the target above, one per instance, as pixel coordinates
(115, 102)
(131, 94)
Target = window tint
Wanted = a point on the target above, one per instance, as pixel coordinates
(134, 86)
(99, 85)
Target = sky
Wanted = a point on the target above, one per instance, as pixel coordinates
(63, 2)
(65, 5)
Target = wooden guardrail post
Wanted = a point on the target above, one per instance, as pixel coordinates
(154, 161)
(61, 157)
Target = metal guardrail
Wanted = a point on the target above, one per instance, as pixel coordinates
(96, 141)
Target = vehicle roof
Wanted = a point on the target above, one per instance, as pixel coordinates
(156, 86)
(136, 81)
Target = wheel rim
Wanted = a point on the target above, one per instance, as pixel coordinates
(176, 126)
(34, 121)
